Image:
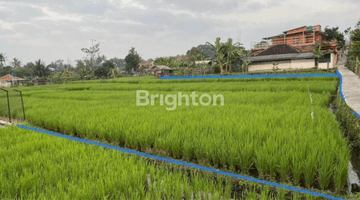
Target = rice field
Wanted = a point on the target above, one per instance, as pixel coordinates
(39, 166)
(274, 129)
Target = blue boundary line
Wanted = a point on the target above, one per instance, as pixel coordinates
(177, 162)
(249, 76)
(342, 94)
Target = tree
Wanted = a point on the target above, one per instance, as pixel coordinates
(57, 66)
(40, 70)
(3, 59)
(119, 63)
(334, 34)
(206, 50)
(232, 52)
(226, 54)
(99, 60)
(91, 52)
(132, 60)
(275, 65)
(219, 56)
(318, 54)
(114, 72)
(16, 63)
(245, 66)
(104, 70)
(353, 57)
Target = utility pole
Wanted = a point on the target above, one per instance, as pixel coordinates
(239, 36)
(92, 56)
(92, 42)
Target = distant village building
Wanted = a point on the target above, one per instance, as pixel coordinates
(293, 49)
(39, 81)
(147, 64)
(163, 70)
(9, 80)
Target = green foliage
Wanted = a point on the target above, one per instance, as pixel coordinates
(132, 60)
(90, 55)
(207, 51)
(353, 53)
(334, 34)
(16, 63)
(119, 63)
(3, 59)
(104, 70)
(40, 70)
(226, 54)
(355, 35)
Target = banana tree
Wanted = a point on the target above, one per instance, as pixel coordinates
(232, 52)
(219, 56)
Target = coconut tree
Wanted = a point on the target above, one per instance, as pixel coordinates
(16, 63)
(40, 69)
(3, 59)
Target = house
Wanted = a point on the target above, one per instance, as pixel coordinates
(163, 70)
(146, 65)
(293, 49)
(39, 81)
(10, 80)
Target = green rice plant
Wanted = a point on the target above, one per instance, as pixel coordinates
(265, 124)
(50, 167)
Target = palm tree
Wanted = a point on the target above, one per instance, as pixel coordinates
(16, 63)
(40, 69)
(2, 59)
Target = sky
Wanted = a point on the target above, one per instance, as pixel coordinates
(52, 30)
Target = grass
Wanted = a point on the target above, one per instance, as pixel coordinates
(265, 128)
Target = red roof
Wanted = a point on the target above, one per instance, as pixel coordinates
(10, 77)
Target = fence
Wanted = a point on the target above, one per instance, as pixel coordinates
(12, 104)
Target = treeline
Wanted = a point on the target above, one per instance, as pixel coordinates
(354, 52)
(93, 66)
(222, 58)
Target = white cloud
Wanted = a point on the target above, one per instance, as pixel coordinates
(54, 16)
(6, 25)
(58, 30)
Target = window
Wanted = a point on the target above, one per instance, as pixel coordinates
(296, 40)
(325, 59)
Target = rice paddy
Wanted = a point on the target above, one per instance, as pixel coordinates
(38, 166)
(269, 128)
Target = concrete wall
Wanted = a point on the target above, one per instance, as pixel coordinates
(331, 64)
(5, 84)
(283, 65)
(303, 64)
(268, 66)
